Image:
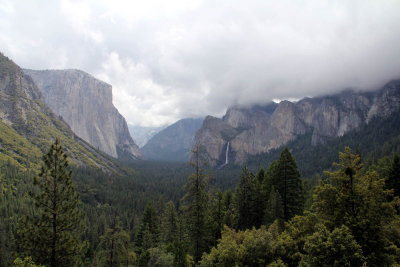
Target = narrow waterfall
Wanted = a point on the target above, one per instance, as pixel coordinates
(227, 154)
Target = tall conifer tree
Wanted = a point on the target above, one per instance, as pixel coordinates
(196, 201)
(247, 194)
(286, 180)
(356, 197)
(149, 234)
(52, 235)
(113, 248)
(393, 181)
(170, 224)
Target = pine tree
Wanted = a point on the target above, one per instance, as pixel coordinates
(52, 235)
(217, 214)
(393, 181)
(229, 208)
(356, 197)
(286, 180)
(247, 194)
(179, 248)
(274, 209)
(196, 209)
(170, 224)
(148, 235)
(113, 248)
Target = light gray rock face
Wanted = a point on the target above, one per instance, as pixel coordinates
(387, 100)
(212, 138)
(258, 129)
(29, 127)
(19, 95)
(85, 103)
(173, 143)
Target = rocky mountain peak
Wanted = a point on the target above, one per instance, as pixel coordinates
(28, 126)
(258, 129)
(387, 100)
(85, 103)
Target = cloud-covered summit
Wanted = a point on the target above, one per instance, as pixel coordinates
(172, 59)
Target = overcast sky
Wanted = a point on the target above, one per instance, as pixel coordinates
(168, 60)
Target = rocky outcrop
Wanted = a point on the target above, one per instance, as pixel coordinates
(174, 143)
(387, 100)
(85, 103)
(258, 129)
(29, 127)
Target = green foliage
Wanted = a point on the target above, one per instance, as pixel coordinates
(274, 207)
(289, 245)
(356, 198)
(159, 257)
(196, 209)
(113, 249)
(217, 214)
(52, 235)
(25, 262)
(248, 201)
(17, 149)
(285, 177)
(332, 248)
(229, 209)
(393, 178)
(170, 224)
(352, 221)
(241, 248)
(148, 235)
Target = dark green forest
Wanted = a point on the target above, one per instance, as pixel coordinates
(328, 205)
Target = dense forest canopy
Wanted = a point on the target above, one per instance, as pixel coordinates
(149, 217)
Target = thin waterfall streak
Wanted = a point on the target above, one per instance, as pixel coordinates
(227, 154)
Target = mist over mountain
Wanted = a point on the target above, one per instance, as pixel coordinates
(153, 52)
(245, 131)
(199, 133)
(141, 134)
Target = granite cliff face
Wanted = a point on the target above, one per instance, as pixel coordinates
(245, 131)
(85, 103)
(174, 143)
(28, 126)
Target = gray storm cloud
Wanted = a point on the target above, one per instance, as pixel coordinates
(173, 59)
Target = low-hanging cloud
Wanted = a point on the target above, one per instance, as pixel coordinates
(173, 59)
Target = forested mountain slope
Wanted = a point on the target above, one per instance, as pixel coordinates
(85, 103)
(28, 126)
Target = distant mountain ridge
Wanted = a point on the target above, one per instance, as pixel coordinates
(28, 126)
(85, 103)
(247, 131)
(142, 134)
(174, 143)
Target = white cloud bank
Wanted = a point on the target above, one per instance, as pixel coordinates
(171, 59)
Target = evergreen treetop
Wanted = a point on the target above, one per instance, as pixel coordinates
(52, 235)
